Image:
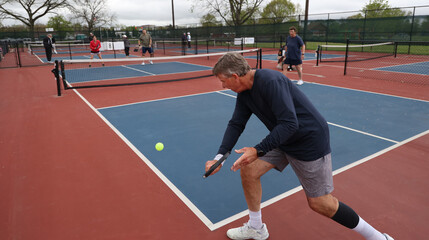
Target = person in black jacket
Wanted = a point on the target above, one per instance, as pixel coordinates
(184, 43)
(48, 45)
(299, 136)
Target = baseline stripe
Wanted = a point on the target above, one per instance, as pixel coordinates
(337, 125)
(178, 193)
(138, 70)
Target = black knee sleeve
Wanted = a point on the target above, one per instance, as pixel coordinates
(346, 216)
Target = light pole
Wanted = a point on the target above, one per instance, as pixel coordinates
(172, 12)
(306, 20)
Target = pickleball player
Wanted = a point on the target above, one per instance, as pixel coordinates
(299, 136)
(145, 43)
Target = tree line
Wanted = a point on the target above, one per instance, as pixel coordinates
(91, 14)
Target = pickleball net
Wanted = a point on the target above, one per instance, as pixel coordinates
(352, 51)
(75, 74)
(61, 48)
(403, 62)
(196, 46)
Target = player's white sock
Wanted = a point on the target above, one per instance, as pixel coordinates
(367, 231)
(255, 220)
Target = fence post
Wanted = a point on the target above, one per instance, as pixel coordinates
(113, 46)
(345, 57)
(411, 32)
(18, 56)
(70, 51)
(364, 27)
(327, 30)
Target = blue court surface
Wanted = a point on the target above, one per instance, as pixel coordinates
(307, 56)
(128, 71)
(87, 57)
(203, 50)
(192, 127)
(65, 51)
(414, 68)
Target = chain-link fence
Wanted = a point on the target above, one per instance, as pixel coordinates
(380, 25)
(413, 25)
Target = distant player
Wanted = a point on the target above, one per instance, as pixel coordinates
(126, 45)
(95, 46)
(145, 43)
(48, 45)
(184, 43)
(189, 39)
(295, 49)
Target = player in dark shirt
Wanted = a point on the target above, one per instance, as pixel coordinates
(299, 136)
(294, 54)
(48, 45)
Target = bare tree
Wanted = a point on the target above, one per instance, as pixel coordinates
(233, 12)
(2, 17)
(95, 13)
(34, 10)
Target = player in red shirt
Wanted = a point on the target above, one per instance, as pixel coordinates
(95, 46)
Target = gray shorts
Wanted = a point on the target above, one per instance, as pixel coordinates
(315, 176)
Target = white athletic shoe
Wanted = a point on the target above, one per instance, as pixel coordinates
(388, 237)
(247, 232)
(150, 62)
(300, 82)
(143, 63)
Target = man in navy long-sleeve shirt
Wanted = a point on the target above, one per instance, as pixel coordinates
(299, 136)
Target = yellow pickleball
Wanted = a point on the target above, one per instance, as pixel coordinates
(159, 146)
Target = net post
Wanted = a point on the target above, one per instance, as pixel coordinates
(70, 52)
(63, 75)
(196, 44)
(18, 56)
(345, 57)
(260, 58)
(317, 55)
(207, 46)
(395, 50)
(113, 46)
(163, 44)
(55, 71)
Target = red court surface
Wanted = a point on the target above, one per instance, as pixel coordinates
(64, 174)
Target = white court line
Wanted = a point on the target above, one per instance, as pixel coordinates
(382, 94)
(340, 170)
(364, 133)
(297, 189)
(188, 203)
(377, 68)
(393, 71)
(340, 126)
(118, 78)
(377, 93)
(416, 63)
(173, 188)
(316, 75)
(156, 100)
(138, 70)
(40, 58)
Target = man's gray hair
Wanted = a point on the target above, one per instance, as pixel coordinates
(231, 63)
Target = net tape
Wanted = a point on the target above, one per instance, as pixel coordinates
(134, 59)
(356, 46)
(67, 85)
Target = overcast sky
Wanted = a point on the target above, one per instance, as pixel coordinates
(158, 12)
